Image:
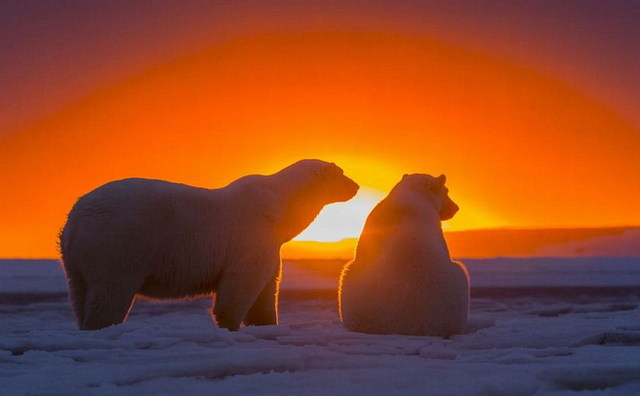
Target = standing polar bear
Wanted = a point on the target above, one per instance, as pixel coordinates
(402, 280)
(164, 240)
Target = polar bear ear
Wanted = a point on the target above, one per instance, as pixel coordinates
(441, 180)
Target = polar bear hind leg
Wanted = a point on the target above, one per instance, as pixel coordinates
(77, 294)
(106, 304)
(109, 296)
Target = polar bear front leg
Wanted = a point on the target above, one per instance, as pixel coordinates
(264, 310)
(240, 288)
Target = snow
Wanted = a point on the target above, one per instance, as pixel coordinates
(554, 336)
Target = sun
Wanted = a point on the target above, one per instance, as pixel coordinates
(345, 220)
(342, 220)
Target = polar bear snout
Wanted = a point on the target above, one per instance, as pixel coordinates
(339, 187)
(347, 189)
(449, 209)
(351, 188)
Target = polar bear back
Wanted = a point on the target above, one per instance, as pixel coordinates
(137, 206)
(405, 290)
(402, 280)
(150, 222)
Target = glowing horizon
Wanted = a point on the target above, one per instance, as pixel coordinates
(342, 220)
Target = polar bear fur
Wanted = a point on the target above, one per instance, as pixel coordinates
(152, 238)
(402, 280)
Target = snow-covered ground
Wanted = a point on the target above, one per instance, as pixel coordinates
(538, 326)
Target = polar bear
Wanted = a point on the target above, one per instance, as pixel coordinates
(161, 240)
(402, 279)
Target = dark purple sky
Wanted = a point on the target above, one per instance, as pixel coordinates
(55, 53)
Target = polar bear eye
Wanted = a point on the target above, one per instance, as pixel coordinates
(333, 169)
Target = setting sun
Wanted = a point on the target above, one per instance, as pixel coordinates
(342, 220)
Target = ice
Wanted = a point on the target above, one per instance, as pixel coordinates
(19, 277)
(626, 244)
(553, 271)
(539, 340)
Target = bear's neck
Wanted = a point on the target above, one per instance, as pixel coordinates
(301, 204)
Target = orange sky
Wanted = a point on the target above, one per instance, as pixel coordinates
(520, 148)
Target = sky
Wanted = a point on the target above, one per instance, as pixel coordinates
(529, 107)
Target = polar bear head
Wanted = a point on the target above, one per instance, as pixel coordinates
(334, 186)
(428, 189)
(320, 181)
(307, 186)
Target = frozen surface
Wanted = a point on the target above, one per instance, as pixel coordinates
(499, 272)
(533, 342)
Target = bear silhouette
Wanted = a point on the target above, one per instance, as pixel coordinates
(402, 279)
(162, 240)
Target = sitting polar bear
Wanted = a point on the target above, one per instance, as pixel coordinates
(164, 240)
(402, 280)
